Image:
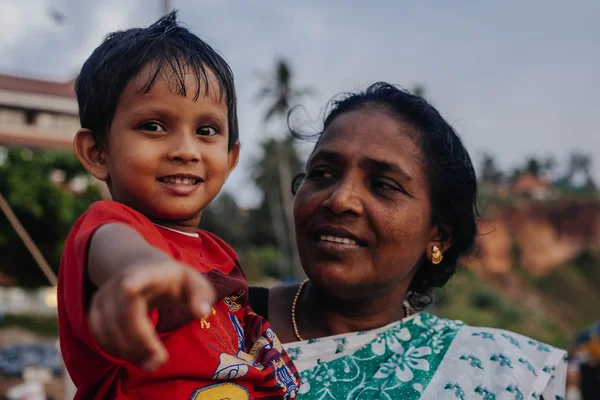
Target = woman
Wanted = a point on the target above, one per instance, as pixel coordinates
(382, 215)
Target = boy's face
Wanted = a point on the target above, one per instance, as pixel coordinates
(167, 155)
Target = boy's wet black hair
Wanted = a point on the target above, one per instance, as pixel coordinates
(163, 45)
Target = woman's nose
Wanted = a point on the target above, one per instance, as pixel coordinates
(345, 198)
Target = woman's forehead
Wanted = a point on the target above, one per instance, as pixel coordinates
(369, 133)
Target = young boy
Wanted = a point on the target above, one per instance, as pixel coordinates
(159, 125)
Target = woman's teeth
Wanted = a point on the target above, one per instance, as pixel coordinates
(336, 239)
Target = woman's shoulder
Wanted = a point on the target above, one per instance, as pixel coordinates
(489, 337)
(503, 338)
(497, 360)
(502, 348)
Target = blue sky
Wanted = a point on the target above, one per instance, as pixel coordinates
(514, 78)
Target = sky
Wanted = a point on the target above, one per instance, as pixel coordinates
(514, 78)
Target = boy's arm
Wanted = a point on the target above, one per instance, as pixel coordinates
(116, 247)
(133, 277)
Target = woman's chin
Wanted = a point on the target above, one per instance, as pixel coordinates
(336, 277)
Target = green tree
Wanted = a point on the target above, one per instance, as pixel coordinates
(579, 163)
(279, 90)
(276, 187)
(533, 166)
(490, 173)
(419, 90)
(227, 220)
(249, 232)
(549, 166)
(274, 171)
(41, 188)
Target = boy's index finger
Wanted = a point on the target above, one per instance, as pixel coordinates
(200, 294)
(139, 280)
(134, 284)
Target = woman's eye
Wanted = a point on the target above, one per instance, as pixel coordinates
(386, 185)
(320, 173)
(207, 131)
(383, 185)
(151, 127)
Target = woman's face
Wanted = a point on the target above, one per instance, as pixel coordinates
(363, 215)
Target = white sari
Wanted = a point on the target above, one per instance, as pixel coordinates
(425, 357)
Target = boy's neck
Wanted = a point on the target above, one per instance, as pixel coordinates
(195, 234)
(188, 227)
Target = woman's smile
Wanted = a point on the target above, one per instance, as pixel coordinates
(332, 241)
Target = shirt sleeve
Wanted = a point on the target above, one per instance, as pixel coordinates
(224, 248)
(74, 284)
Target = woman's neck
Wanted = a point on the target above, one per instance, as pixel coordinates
(320, 314)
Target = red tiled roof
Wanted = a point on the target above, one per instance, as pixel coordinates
(37, 86)
(23, 139)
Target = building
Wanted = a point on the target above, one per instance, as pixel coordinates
(37, 113)
(530, 185)
(41, 114)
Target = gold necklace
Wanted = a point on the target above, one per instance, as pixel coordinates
(295, 302)
(294, 309)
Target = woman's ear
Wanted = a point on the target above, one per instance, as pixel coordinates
(90, 155)
(439, 239)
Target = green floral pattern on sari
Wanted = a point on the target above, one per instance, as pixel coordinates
(398, 364)
(427, 358)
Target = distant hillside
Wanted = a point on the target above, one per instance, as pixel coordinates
(538, 259)
(477, 302)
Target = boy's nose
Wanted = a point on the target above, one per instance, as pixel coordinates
(185, 150)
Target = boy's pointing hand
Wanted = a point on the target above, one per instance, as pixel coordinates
(118, 314)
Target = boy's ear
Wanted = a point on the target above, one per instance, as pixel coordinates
(233, 157)
(90, 154)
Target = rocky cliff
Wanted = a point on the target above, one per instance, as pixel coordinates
(544, 256)
(538, 236)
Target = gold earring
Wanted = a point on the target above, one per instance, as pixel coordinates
(436, 255)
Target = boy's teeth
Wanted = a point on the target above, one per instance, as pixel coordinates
(180, 180)
(336, 239)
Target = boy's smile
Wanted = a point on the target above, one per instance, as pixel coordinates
(167, 154)
(181, 184)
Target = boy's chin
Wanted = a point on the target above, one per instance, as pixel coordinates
(191, 216)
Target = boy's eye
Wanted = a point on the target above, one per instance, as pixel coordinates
(207, 130)
(151, 127)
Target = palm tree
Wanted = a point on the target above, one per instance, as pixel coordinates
(490, 173)
(279, 89)
(579, 163)
(533, 166)
(273, 183)
(419, 90)
(548, 166)
(281, 93)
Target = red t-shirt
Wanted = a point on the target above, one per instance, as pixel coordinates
(232, 353)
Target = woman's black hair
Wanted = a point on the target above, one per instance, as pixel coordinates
(453, 185)
(165, 45)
